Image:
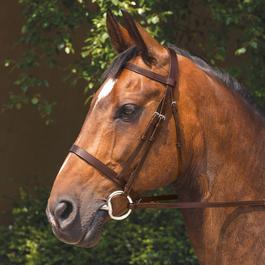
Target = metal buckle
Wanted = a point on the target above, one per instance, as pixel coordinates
(160, 116)
(108, 206)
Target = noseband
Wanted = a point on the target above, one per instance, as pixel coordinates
(130, 171)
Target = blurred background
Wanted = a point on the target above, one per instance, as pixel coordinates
(52, 53)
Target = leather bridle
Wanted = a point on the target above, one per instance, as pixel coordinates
(132, 168)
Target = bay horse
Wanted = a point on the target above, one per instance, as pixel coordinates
(199, 135)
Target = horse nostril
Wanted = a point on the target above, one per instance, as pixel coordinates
(64, 213)
(63, 210)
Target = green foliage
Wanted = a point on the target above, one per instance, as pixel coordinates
(244, 20)
(48, 35)
(147, 237)
(227, 33)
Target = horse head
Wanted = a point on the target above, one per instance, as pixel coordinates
(119, 114)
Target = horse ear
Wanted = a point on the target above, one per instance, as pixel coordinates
(149, 48)
(119, 36)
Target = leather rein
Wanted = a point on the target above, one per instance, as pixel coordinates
(131, 171)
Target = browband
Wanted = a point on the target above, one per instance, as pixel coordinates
(165, 80)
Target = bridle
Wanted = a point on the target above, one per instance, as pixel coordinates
(144, 146)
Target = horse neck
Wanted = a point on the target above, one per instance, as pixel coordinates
(224, 138)
(224, 153)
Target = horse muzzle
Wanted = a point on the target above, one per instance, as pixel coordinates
(74, 225)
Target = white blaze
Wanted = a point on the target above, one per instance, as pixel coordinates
(64, 163)
(106, 89)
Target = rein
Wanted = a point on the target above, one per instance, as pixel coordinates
(144, 146)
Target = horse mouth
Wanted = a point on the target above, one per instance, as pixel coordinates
(86, 235)
(92, 235)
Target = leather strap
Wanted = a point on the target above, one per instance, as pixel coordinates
(90, 159)
(165, 80)
(194, 205)
(174, 98)
(155, 125)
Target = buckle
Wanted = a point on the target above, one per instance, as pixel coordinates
(160, 116)
(108, 206)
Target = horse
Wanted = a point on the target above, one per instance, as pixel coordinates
(192, 130)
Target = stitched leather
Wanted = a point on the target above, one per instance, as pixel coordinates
(159, 78)
(193, 205)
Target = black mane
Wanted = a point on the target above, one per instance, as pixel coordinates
(220, 75)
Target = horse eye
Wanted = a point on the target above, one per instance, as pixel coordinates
(128, 112)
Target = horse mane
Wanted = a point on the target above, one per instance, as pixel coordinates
(118, 63)
(221, 76)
